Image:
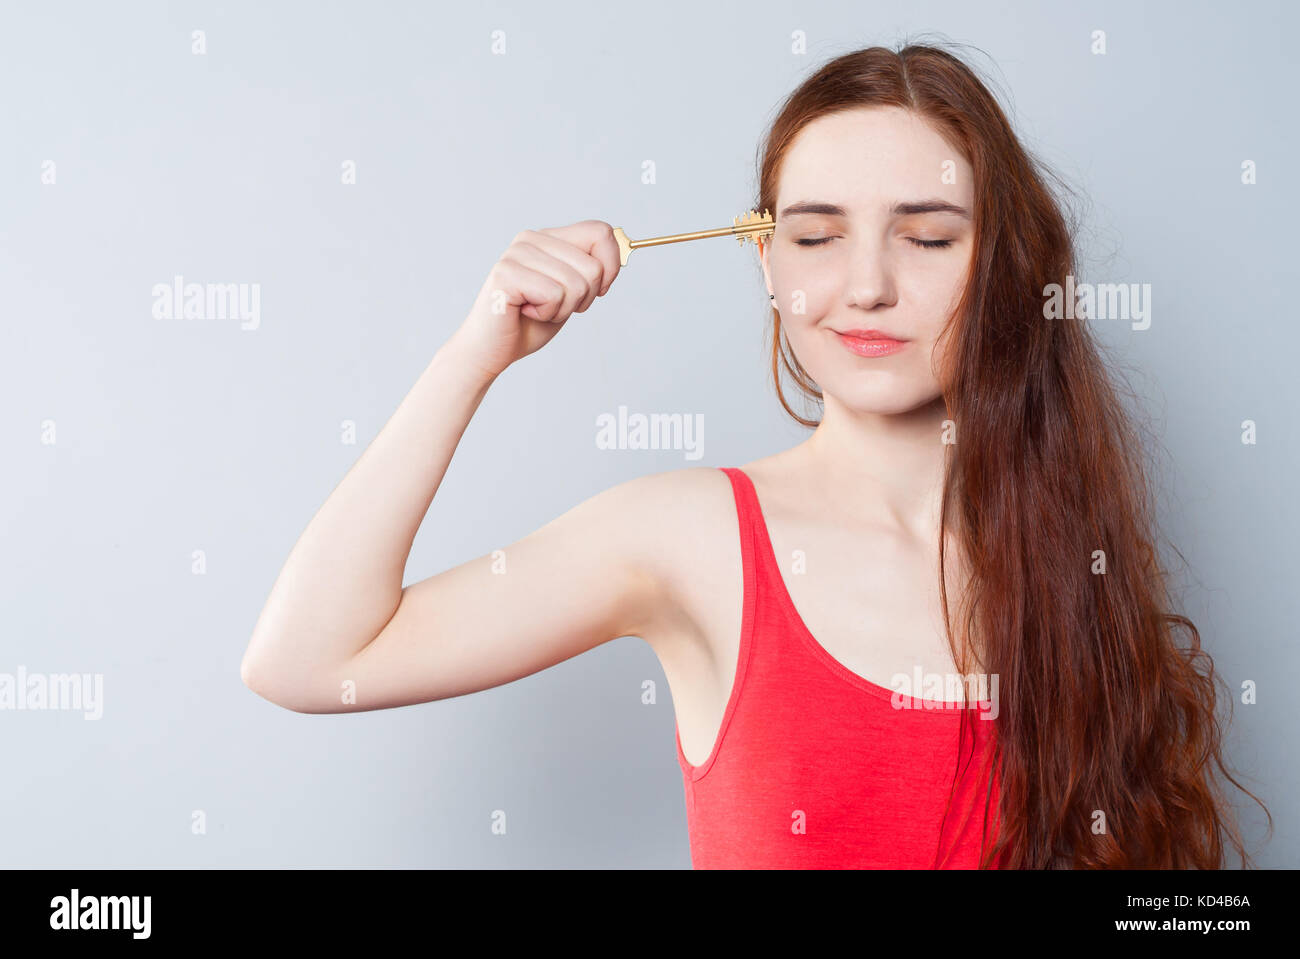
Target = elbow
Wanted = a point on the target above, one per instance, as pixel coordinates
(246, 674)
(262, 681)
(271, 684)
(255, 677)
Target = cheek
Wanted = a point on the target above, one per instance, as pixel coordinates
(810, 277)
(954, 284)
(938, 285)
(803, 296)
(935, 298)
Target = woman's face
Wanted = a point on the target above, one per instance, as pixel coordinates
(858, 247)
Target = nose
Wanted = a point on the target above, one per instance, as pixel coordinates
(871, 277)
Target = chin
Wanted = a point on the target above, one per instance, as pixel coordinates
(890, 397)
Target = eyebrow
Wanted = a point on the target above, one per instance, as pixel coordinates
(907, 208)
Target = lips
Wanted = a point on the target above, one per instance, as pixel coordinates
(872, 335)
(870, 342)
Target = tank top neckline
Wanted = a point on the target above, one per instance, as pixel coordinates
(765, 553)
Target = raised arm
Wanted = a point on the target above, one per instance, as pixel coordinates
(340, 633)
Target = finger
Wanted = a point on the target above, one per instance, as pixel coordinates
(537, 295)
(587, 266)
(573, 284)
(596, 238)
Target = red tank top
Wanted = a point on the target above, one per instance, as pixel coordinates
(814, 767)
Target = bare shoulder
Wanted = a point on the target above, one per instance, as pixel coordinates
(698, 567)
(689, 536)
(684, 494)
(696, 564)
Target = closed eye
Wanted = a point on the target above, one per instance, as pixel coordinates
(927, 244)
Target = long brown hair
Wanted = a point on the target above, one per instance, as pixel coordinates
(1102, 710)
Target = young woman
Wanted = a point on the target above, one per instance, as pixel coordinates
(971, 452)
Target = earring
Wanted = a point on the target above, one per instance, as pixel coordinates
(771, 296)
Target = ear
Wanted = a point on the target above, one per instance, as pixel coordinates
(764, 247)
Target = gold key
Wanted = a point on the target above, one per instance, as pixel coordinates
(749, 226)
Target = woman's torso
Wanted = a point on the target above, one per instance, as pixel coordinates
(845, 603)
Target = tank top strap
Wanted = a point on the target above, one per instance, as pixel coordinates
(756, 543)
(762, 599)
(750, 520)
(746, 514)
(774, 610)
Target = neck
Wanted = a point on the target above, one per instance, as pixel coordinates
(885, 467)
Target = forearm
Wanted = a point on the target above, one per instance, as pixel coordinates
(342, 581)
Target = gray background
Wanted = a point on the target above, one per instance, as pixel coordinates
(181, 435)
